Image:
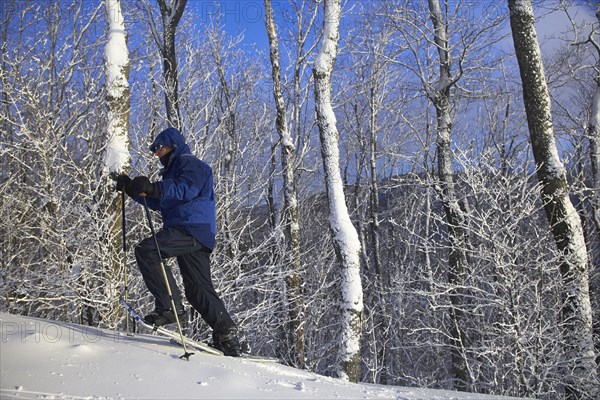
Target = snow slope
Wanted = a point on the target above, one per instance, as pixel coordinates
(41, 359)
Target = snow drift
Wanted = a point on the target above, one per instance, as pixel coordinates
(41, 359)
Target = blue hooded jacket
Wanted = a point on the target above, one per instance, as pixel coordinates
(187, 198)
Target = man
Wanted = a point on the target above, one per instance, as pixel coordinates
(186, 200)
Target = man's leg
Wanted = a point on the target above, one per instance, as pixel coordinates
(172, 242)
(200, 292)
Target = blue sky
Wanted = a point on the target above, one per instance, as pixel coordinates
(239, 16)
(247, 17)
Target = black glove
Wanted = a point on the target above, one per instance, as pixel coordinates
(142, 185)
(121, 180)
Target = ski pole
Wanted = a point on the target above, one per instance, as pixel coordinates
(186, 354)
(125, 274)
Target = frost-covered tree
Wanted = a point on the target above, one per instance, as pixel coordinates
(367, 110)
(291, 221)
(116, 64)
(594, 126)
(594, 139)
(581, 375)
(116, 157)
(344, 233)
(440, 94)
(56, 243)
(573, 75)
(445, 58)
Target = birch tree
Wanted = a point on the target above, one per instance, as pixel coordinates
(345, 237)
(577, 117)
(581, 375)
(116, 65)
(594, 133)
(290, 201)
(116, 156)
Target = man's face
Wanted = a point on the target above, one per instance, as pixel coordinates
(162, 150)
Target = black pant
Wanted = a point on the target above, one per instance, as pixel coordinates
(194, 263)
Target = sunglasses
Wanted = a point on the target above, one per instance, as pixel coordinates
(156, 147)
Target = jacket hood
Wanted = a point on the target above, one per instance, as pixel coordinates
(173, 138)
(169, 137)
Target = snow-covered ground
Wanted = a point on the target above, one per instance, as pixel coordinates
(41, 359)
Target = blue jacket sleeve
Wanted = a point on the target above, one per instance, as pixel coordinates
(189, 182)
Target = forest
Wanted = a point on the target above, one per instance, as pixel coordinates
(407, 190)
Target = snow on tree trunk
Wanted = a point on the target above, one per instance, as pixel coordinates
(579, 358)
(116, 64)
(116, 159)
(346, 242)
(290, 217)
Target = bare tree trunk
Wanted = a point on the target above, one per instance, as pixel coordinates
(170, 17)
(594, 137)
(376, 90)
(373, 184)
(290, 208)
(10, 169)
(230, 145)
(440, 96)
(581, 376)
(345, 237)
(171, 12)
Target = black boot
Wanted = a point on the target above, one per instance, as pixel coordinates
(160, 318)
(228, 343)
